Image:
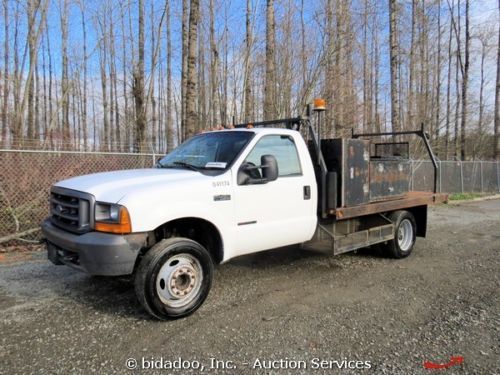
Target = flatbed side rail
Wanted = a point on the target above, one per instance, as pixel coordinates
(412, 199)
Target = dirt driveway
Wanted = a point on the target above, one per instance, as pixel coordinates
(286, 308)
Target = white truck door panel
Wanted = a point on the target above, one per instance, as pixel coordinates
(276, 213)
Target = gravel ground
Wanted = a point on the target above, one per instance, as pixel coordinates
(285, 305)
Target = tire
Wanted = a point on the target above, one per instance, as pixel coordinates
(173, 278)
(405, 231)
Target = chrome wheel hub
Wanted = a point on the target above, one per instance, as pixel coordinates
(405, 235)
(179, 280)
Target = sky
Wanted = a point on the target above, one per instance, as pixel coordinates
(483, 12)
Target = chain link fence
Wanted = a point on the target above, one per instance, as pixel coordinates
(456, 176)
(26, 177)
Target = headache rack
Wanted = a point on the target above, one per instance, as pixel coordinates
(293, 123)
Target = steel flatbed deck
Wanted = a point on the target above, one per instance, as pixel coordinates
(411, 199)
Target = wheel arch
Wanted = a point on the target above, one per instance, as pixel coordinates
(197, 229)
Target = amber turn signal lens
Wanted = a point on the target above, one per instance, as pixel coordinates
(122, 227)
(319, 104)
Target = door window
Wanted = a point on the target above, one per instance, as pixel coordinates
(284, 150)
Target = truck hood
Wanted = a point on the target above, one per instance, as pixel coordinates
(113, 186)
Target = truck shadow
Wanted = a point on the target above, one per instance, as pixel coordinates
(115, 296)
(292, 255)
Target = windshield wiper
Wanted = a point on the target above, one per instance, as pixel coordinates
(187, 165)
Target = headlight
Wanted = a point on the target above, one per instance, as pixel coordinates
(112, 218)
(107, 212)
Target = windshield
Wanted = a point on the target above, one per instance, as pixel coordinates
(215, 150)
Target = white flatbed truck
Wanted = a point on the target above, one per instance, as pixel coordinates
(227, 193)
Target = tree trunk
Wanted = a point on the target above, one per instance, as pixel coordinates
(31, 84)
(151, 89)
(116, 134)
(6, 83)
(84, 104)
(269, 88)
(140, 113)
(465, 81)
(125, 116)
(497, 99)
(376, 69)
(330, 70)
(169, 119)
(214, 68)
(248, 92)
(17, 126)
(51, 112)
(184, 72)
(411, 79)
(457, 85)
(201, 90)
(64, 76)
(481, 91)
(448, 91)
(191, 114)
(104, 140)
(394, 57)
(438, 79)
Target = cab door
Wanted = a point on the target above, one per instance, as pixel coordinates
(276, 213)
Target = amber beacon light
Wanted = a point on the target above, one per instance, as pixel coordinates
(319, 105)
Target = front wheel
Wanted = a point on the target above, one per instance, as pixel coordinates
(174, 278)
(405, 231)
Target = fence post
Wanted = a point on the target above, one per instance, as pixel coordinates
(498, 176)
(440, 176)
(481, 173)
(462, 176)
(154, 158)
(411, 173)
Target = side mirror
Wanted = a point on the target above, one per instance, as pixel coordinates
(269, 167)
(249, 174)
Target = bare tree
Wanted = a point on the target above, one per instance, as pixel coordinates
(6, 81)
(191, 113)
(113, 90)
(85, 57)
(465, 81)
(269, 88)
(32, 8)
(330, 69)
(214, 68)
(394, 61)
(64, 74)
(184, 72)
(438, 78)
(248, 92)
(103, 57)
(497, 99)
(169, 120)
(138, 88)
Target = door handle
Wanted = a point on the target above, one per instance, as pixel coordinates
(307, 192)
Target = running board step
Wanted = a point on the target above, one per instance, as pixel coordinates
(363, 238)
(324, 240)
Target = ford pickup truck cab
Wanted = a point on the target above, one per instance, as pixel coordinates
(227, 193)
(217, 196)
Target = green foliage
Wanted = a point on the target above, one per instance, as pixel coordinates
(463, 196)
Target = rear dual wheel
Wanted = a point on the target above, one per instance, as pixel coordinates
(174, 278)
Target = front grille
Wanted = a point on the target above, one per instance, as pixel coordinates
(71, 210)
